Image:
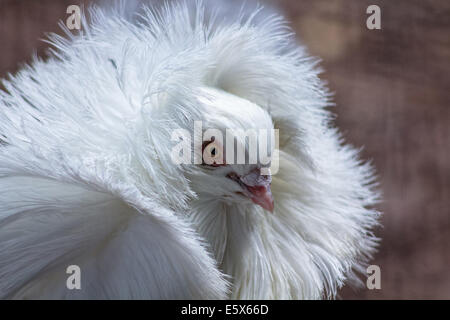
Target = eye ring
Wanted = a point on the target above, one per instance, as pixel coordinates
(212, 154)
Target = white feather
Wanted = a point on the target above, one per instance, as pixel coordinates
(86, 176)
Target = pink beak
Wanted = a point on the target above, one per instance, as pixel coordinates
(262, 195)
(257, 188)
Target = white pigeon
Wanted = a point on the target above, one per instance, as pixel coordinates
(88, 179)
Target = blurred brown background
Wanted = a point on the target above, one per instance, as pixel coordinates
(392, 89)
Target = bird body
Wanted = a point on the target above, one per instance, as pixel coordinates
(87, 178)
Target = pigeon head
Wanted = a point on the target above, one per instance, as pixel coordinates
(237, 144)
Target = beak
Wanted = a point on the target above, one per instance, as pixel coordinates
(262, 195)
(257, 188)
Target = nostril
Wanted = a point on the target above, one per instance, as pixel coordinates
(233, 176)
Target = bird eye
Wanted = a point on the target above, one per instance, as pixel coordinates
(213, 154)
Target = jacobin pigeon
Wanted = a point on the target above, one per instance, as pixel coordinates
(90, 174)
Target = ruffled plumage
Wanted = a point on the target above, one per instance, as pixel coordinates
(86, 176)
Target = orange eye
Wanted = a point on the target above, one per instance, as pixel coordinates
(213, 154)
